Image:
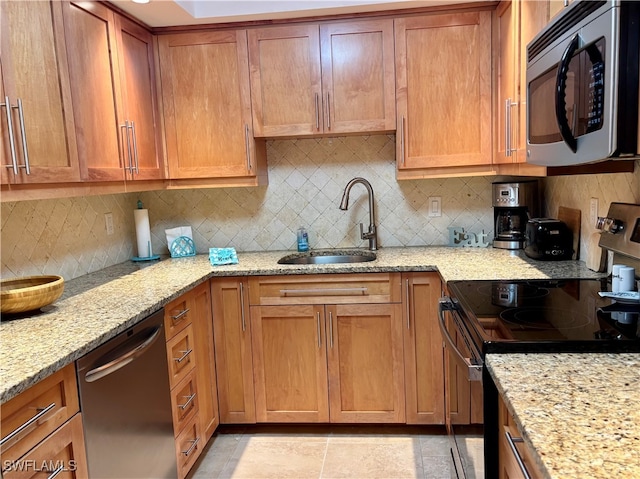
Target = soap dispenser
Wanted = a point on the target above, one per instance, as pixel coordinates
(303, 240)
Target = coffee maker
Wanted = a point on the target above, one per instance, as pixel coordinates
(514, 203)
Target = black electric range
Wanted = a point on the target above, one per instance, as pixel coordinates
(566, 315)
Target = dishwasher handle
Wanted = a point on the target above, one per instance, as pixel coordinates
(108, 365)
(474, 370)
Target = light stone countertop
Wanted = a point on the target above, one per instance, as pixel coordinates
(579, 414)
(96, 307)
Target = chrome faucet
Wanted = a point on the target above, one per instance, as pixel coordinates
(371, 235)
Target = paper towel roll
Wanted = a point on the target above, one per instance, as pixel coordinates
(143, 233)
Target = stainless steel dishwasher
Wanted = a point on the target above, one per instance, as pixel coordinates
(126, 405)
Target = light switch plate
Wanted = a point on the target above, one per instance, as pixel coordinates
(435, 206)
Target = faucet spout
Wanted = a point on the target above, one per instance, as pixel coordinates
(371, 234)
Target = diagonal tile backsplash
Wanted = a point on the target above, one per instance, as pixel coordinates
(306, 181)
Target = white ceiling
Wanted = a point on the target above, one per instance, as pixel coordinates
(162, 13)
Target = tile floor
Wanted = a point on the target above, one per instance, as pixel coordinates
(385, 452)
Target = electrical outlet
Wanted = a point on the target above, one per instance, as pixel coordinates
(593, 212)
(435, 206)
(108, 223)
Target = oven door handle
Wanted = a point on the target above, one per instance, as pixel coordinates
(474, 370)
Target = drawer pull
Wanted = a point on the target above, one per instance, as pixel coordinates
(325, 292)
(184, 355)
(20, 431)
(192, 447)
(56, 472)
(189, 400)
(179, 316)
(512, 440)
(319, 332)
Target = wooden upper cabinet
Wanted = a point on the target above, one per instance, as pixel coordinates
(140, 106)
(443, 91)
(207, 106)
(517, 23)
(93, 67)
(319, 79)
(112, 85)
(35, 78)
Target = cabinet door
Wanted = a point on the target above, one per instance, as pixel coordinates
(443, 91)
(34, 72)
(508, 74)
(137, 79)
(285, 80)
(205, 359)
(366, 370)
(423, 350)
(290, 363)
(358, 76)
(62, 454)
(232, 338)
(93, 69)
(207, 106)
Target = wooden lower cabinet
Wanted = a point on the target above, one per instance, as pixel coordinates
(189, 334)
(366, 367)
(423, 349)
(232, 337)
(290, 363)
(510, 465)
(55, 440)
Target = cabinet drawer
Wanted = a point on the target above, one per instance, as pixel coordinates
(177, 315)
(180, 355)
(325, 288)
(34, 414)
(510, 467)
(61, 454)
(189, 445)
(184, 401)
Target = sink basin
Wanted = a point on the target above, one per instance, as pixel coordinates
(328, 257)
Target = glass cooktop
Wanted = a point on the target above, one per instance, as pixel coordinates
(560, 315)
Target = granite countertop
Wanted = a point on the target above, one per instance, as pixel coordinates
(578, 413)
(96, 307)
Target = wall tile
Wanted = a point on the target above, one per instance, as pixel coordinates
(306, 181)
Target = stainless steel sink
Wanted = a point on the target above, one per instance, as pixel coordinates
(328, 257)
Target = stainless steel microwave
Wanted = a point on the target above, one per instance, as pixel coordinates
(582, 85)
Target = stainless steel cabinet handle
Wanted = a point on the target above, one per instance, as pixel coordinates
(408, 297)
(180, 315)
(512, 440)
(319, 332)
(328, 112)
(128, 146)
(244, 324)
(246, 146)
(184, 356)
(509, 149)
(19, 432)
(331, 329)
(56, 472)
(317, 113)
(402, 144)
(23, 132)
(192, 447)
(12, 140)
(325, 292)
(135, 148)
(189, 401)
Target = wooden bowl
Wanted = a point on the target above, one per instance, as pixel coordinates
(30, 292)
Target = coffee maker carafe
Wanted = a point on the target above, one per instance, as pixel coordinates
(513, 205)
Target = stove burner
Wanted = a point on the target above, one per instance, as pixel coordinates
(536, 318)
